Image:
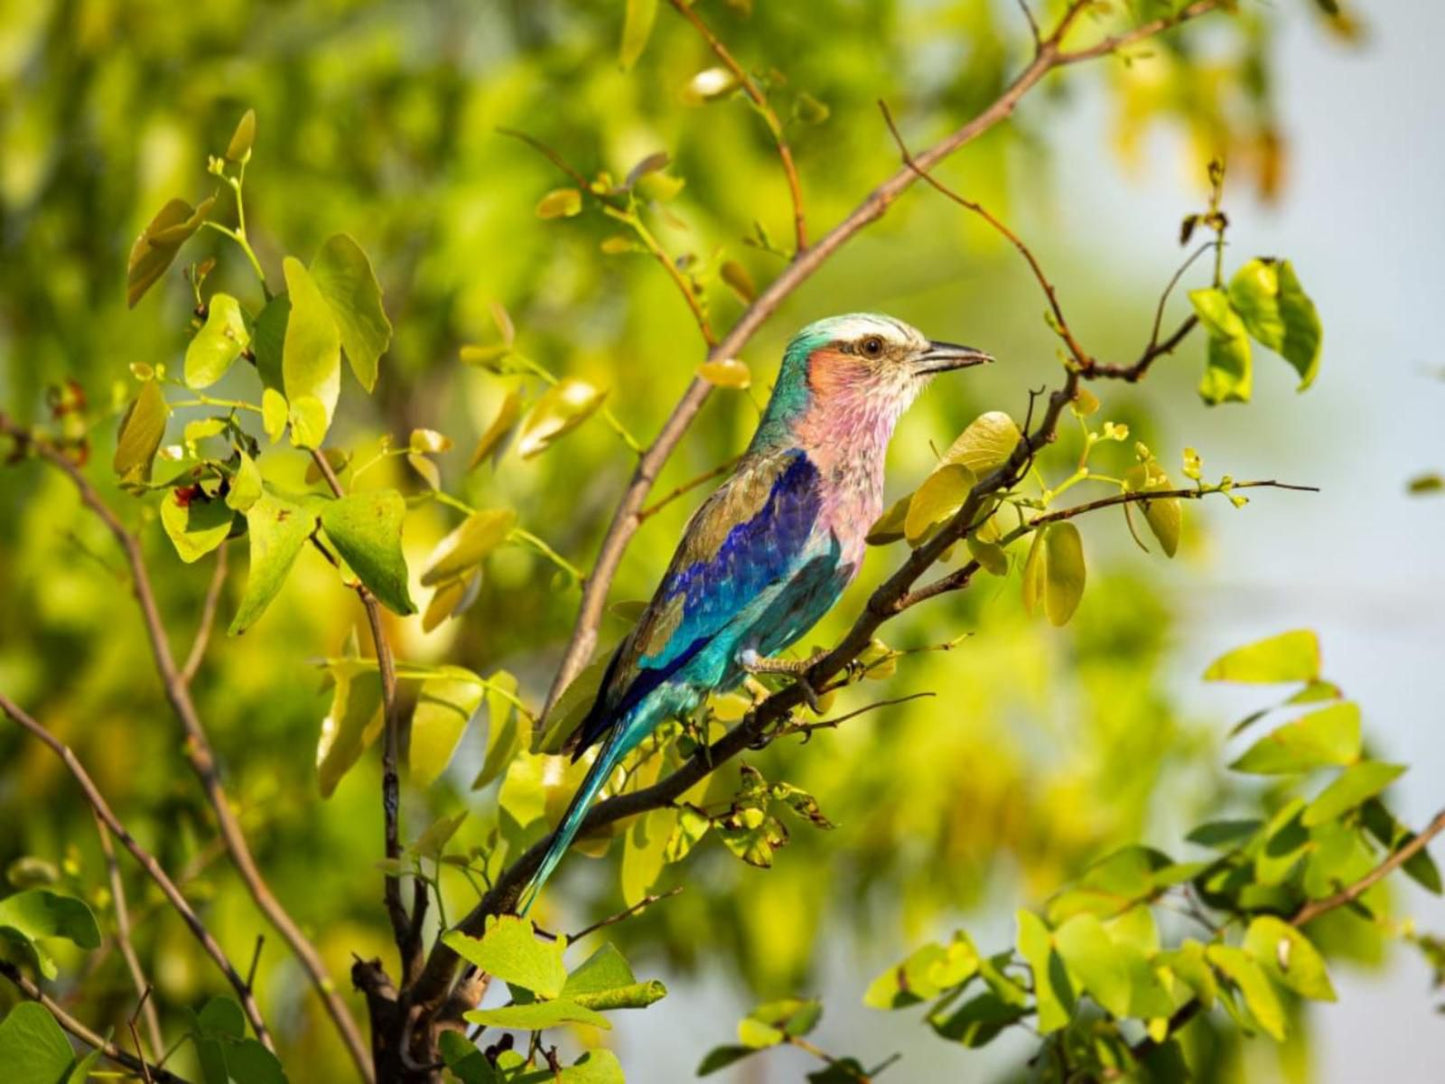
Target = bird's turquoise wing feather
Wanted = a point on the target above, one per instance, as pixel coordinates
(754, 537)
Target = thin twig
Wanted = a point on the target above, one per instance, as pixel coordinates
(765, 109)
(199, 753)
(834, 723)
(208, 616)
(83, 1033)
(123, 936)
(686, 487)
(621, 916)
(1312, 910)
(145, 1069)
(147, 861)
(255, 961)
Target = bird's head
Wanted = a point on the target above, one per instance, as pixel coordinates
(862, 366)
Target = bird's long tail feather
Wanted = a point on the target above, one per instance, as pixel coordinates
(614, 748)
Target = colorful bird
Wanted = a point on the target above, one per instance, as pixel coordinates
(770, 552)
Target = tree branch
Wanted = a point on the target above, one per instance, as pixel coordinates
(147, 861)
(123, 937)
(627, 518)
(199, 753)
(208, 616)
(83, 1033)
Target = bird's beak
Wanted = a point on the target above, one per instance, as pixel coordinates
(940, 357)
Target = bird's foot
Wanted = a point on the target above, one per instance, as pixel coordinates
(797, 669)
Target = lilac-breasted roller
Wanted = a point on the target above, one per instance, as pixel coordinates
(770, 552)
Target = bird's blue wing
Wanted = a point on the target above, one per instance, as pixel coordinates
(749, 536)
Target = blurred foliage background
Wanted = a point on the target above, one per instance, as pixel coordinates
(1044, 748)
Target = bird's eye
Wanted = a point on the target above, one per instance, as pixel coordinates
(872, 346)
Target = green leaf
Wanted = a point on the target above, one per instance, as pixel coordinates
(1350, 788)
(1063, 573)
(1165, 516)
(274, 413)
(353, 722)
(156, 247)
(463, 1058)
(344, 277)
(720, 1057)
(1228, 374)
(563, 407)
(1259, 995)
(1053, 996)
(643, 854)
(594, 1067)
(1035, 574)
(1099, 964)
(537, 1015)
(1288, 957)
(246, 488)
(560, 203)
(889, 526)
(493, 440)
(218, 343)
(195, 523)
(504, 728)
(1223, 834)
(39, 913)
(636, 995)
(941, 495)
(465, 547)
(979, 1020)
(1279, 314)
(928, 972)
(141, 430)
(268, 341)
(1290, 656)
(277, 529)
(986, 444)
(239, 149)
(686, 834)
(443, 709)
(793, 1016)
(1188, 964)
(636, 29)
(740, 282)
(310, 354)
(509, 950)
(33, 1048)
(605, 969)
(366, 530)
(1326, 737)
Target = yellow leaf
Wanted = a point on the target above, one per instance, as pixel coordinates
(729, 373)
(560, 203)
(941, 495)
(1064, 572)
